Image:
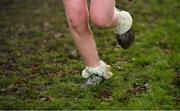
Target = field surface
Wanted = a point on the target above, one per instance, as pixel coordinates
(40, 67)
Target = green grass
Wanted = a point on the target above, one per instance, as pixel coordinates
(38, 71)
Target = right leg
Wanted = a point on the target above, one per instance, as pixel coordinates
(78, 20)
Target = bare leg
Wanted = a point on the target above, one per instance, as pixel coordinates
(102, 13)
(78, 20)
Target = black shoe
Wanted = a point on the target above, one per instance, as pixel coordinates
(125, 40)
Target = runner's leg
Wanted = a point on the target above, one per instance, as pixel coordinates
(78, 20)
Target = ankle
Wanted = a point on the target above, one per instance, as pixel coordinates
(93, 64)
(125, 21)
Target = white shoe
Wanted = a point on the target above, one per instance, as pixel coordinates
(97, 75)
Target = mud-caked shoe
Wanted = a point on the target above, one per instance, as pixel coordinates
(96, 75)
(93, 80)
(124, 32)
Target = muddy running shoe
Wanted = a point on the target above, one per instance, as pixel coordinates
(97, 75)
(94, 81)
(124, 32)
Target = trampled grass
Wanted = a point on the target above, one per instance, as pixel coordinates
(41, 69)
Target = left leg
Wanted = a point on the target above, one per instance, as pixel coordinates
(102, 13)
(105, 15)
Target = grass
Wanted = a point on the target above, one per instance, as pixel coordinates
(40, 68)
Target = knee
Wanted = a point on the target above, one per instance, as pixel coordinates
(101, 20)
(77, 22)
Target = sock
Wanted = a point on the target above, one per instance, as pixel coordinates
(125, 20)
(103, 71)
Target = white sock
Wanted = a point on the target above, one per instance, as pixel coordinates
(103, 70)
(125, 22)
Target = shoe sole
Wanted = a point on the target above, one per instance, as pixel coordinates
(125, 40)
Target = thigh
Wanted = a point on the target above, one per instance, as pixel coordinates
(76, 9)
(102, 7)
